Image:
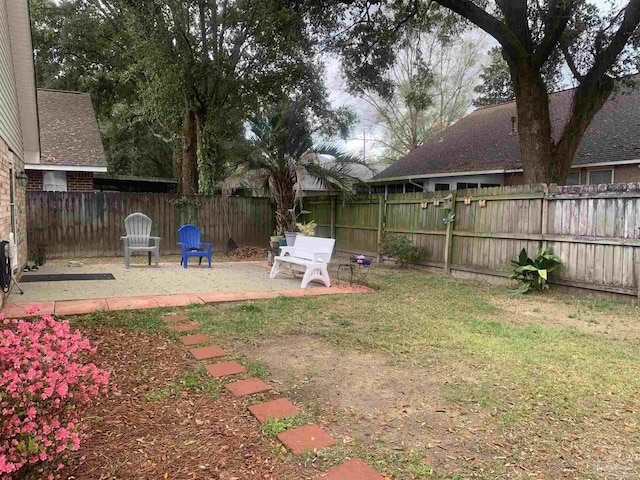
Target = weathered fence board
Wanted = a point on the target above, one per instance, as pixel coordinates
(77, 224)
(595, 230)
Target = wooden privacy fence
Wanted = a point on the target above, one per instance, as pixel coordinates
(77, 224)
(595, 230)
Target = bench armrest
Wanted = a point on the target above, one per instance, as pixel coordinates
(321, 257)
(286, 251)
(156, 240)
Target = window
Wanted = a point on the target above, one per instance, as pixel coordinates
(439, 187)
(54, 181)
(596, 177)
(489, 185)
(410, 187)
(573, 178)
(464, 186)
(395, 188)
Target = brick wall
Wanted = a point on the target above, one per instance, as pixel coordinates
(79, 181)
(76, 181)
(5, 209)
(626, 173)
(35, 182)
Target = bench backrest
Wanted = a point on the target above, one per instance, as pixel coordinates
(305, 247)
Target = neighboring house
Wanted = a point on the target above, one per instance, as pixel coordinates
(109, 182)
(482, 149)
(70, 143)
(311, 186)
(19, 142)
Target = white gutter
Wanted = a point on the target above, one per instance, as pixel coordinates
(440, 175)
(606, 164)
(65, 168)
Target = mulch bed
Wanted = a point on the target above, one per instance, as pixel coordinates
(188, 435)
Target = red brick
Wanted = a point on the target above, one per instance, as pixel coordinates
(225, 368)
(189, 340)
(280, 408)
(247, 387)
(309, 437)
(205, 353)
(353, 470)
(184, 327)
(175, 318)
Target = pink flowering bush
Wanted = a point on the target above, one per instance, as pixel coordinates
(44, 386)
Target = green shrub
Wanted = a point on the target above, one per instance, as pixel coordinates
(533, 274)
(401, 249)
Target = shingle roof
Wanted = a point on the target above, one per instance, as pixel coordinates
(483, 140)
(69, 133)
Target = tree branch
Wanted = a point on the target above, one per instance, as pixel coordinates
(557, 20)
(483, 20)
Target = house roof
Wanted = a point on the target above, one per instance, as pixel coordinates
(356, 170)
(483, 140)
(69, 134)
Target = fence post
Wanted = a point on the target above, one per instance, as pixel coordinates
(448, 242)
(332, 232)
(545, 216)
(381, 214)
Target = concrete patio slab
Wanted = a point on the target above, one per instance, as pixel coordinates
(308, 437)
(278, 409)
(223, 369)
(354, 469)
(205, 353)
(247, 387)
(230, 285)
(189, 340)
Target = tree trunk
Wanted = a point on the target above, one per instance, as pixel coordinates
(588, 99)
(177, 170)
(189, 154)
(534, 125)
(285, 201)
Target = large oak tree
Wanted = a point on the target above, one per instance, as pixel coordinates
(536, 37)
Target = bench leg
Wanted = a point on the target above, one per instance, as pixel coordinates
(275, 270)
(315, 273)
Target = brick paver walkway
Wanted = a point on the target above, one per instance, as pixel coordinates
(298, 440)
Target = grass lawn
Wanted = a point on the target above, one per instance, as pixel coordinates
(432, 377)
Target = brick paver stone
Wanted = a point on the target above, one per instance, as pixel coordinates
(175, 318)
(247, 387)
(309, 437)
(184, 327)
(205, 353)
(280, 408)
(189, 340)
(353, 470)
(225, 368)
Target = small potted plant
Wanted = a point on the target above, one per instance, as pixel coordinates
(290, 234)
(307, 229)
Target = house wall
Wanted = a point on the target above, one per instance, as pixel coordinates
(35, 183)
(10, 130)
(626, 174)
(76, 181)
(495, 179)
(79, 182)
(6, 226)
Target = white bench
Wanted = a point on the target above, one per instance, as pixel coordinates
(311, 254)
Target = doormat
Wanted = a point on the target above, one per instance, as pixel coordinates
(66, 277)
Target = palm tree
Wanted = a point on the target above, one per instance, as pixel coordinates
(282, 154)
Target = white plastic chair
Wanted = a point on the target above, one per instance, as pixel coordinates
(138, 228)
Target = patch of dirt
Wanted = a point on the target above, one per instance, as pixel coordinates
(185, 436)
(392, 407)
(398, 405)
(550, 310)
(249, 253)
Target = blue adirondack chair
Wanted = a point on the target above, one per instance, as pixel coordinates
(191, 246)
